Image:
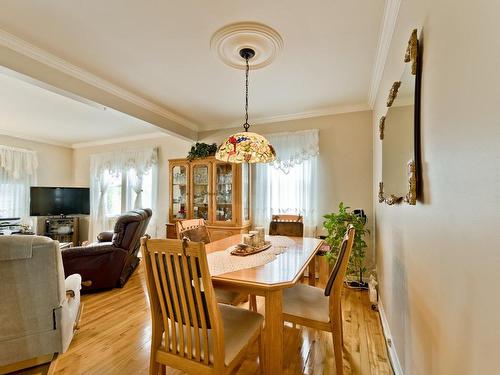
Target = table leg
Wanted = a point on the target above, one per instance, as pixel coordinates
(324, 270)
(273, 333)
(312, 272)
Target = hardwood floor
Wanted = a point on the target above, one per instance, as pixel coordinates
(116, 330)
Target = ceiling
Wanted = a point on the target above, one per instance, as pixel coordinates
(30, 111)
(160, 51)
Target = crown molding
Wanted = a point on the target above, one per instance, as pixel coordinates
(110, 141)
(29, 50)
(391, 11)
(102, 142)
(334, 110)
(27, 137)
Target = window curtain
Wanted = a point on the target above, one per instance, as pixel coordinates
(289, 184)
(131, 166)
(17, 174)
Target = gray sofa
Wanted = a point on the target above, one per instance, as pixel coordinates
(39, 308)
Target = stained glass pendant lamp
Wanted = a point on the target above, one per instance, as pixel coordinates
(246, 146)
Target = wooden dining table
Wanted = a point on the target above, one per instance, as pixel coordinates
(269, 281)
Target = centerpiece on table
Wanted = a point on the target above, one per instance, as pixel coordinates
(253, 242)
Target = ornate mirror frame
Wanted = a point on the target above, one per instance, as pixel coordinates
(412, 56)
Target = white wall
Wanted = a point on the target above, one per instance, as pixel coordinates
(438, 262)
(345, 160)
(55, 162)
(169, 148)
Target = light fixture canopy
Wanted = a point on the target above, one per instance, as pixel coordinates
(246, 146)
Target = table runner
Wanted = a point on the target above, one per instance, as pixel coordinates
(220, 262)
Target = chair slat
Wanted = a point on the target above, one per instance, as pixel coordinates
(171, 313)
(192, 307)
(175, 298)
(160, 292)
(186, 321)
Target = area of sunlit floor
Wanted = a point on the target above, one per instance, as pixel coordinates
(116, 330)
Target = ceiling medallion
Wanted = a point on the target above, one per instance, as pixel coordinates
(228, 41)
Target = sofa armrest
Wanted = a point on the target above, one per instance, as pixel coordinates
(105, 237)
(73, 284)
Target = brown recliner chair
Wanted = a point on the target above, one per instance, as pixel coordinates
(110, 262)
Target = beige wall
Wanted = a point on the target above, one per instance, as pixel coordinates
(55, 162)
(438, 262)
(345, 160)
(169, 147)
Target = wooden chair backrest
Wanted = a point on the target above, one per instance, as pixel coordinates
(182, 299)
(287, 225)
(286, 218)
(336, 279)
(194, 229)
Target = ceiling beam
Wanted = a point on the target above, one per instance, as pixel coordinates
(26, 59)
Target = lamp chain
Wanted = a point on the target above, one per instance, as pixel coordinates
(246, 125)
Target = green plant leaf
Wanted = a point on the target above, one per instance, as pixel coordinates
(336, 225)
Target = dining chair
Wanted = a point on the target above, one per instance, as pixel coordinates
(321, 309)
(286, 225)
(197, 231)
(190, 330)
(291, 226)
(194, 229)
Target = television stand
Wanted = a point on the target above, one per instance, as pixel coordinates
(62, 228)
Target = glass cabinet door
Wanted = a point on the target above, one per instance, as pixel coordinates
(201, 191)
(224, 194)
(179, 192)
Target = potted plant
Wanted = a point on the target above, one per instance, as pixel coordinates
(336, 226)
(202, 150)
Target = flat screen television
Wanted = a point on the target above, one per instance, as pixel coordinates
(52, 201)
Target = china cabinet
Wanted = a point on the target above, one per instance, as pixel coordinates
(212, 190)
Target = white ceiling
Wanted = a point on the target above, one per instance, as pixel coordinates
(160, 51)
(30, 111)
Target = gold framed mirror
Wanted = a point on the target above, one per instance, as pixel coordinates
(399, 131)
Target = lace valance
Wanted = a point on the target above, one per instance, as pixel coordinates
(294, 147)
(18, 162)
(117, 161)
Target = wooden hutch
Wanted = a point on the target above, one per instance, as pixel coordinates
(213, 190)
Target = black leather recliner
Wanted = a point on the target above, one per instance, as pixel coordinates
(110, 262)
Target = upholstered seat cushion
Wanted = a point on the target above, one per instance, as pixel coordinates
(228, 297)
(239, 327)
(307, 302)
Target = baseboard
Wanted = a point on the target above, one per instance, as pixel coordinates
(389, 342)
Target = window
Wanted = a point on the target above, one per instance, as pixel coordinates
(17, 174)
(288, 185)
(113, 195)
(14, 197)
(121, 182)
(121, 195)
(125, 191)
